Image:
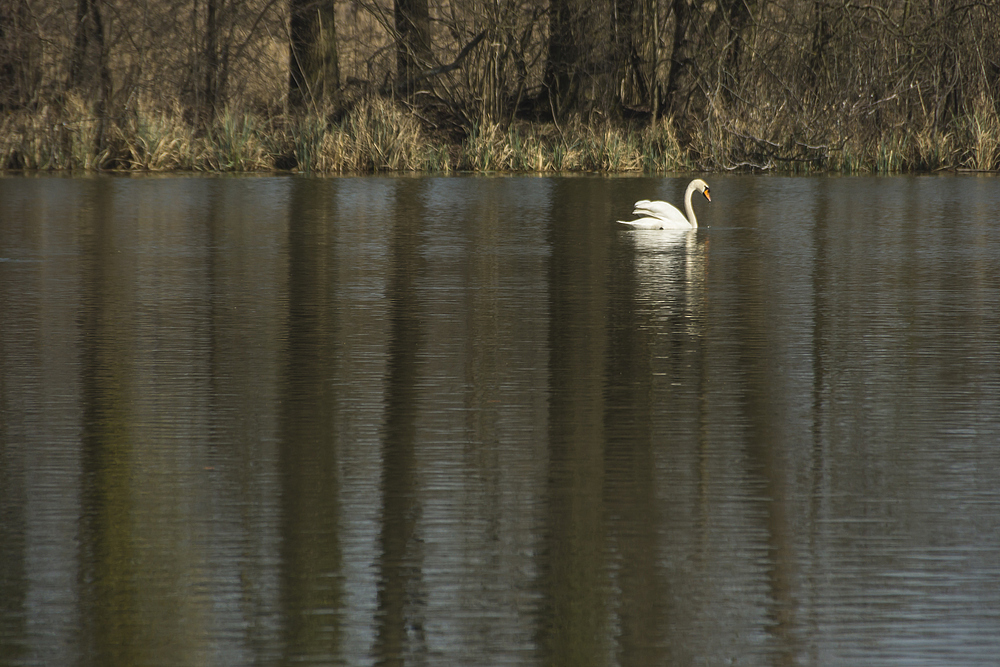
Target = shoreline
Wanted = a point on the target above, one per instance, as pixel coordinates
(379, 135)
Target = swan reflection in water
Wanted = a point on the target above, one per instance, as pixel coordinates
(670, 269)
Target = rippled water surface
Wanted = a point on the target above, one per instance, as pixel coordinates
(469, 421)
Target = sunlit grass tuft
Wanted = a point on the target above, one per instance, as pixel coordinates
(376, 135)
(661, 149)
(982, 135)
(158, 140)
(235, 143)
(576, 147)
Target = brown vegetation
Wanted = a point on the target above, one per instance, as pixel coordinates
(535, 85)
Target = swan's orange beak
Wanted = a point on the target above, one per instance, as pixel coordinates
(709, 198)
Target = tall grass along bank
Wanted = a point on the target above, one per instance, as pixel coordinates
(381, 135)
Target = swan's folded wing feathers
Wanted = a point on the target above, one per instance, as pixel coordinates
(657, 209)
(662, 211)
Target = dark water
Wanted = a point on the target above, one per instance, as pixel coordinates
(468, 421)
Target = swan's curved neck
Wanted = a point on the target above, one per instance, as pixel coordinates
(688, 207)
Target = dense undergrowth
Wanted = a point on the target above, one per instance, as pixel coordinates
(379, 135)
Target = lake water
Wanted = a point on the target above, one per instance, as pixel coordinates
(470, 421)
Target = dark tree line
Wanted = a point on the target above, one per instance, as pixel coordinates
(768, 73)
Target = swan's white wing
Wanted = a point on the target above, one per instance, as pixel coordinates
(658, 215)
(660, 209)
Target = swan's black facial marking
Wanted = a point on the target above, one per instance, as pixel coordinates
(707, 195)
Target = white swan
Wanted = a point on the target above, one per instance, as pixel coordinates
(661, 215)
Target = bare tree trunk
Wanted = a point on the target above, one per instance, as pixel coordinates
(314, 68)
(89, 57)
(822, 34)
(563, 66)
(212, 73)
(413, 48)
(19, 74)
(655, 88)
(89, 64)
(632, 74)
(737, 17)
(581, 61)
(680, 77)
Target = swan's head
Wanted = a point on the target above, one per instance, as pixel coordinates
(702, 187)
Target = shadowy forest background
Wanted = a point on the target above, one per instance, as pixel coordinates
(537, 85)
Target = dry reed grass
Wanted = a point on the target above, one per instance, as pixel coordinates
(576, 147)
(844, 140)
(155, 141)
(51, 138)
(982, 136)
(379, 135)
(376, 136)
